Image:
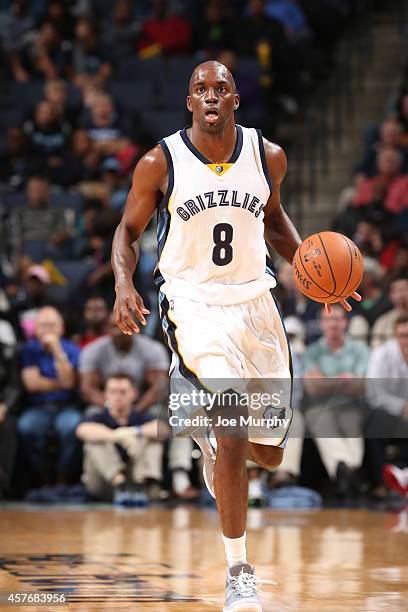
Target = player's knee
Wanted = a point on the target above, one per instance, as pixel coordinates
(268, 457)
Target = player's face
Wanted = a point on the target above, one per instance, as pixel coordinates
(212, 98)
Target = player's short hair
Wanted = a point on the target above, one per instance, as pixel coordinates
(120, 376)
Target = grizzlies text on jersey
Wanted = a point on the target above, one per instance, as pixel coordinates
(211, 230)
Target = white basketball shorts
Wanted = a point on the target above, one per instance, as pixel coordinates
(218, 349)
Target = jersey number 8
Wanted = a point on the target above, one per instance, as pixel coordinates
(222, 251)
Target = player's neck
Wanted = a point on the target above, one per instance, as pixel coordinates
(217, 147)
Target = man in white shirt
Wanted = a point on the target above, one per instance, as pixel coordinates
(387, 394)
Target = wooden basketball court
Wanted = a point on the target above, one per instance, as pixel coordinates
(173, 560)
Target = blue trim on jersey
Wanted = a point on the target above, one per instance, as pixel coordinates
(170, 172)
(163, 213)
(270, 268)
(263, 160)
(236, 153)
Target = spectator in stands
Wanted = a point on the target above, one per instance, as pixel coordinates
(143, 359)
(56, 93)
(293, 302)
(59, 14)
(117, 188)
(16, 25)
(390, 135)
(15, 162)
(90, 56)
(50, 56)
(26, 298)
(94, 321)
(121, 30)
(333, 370)
(104, 127)
(403, 117)
(214, 30)
(9, 396)
(41, 226)
(79, 163)
(387, 393)
(373, 301)
(121, 447)
(47, 134)
(389, 188)
(263, 37)
(164, 32)
(49, 373)
(383, 329)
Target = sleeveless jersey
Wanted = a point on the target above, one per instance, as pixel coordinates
(210, 223)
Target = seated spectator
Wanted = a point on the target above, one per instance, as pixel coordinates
(376, 243)
(15, 161)
(117, 187)
(59, 14)
(90, 56)
(389, 188)
(39, 223)
(9, 396)
(121, 30)
(94, 321)
(47, 135)
(143, 359)
(389, 136)
(214, 30)
(383, 329)
(164, 32)
(79, 163)
(373, 300)
(333, 370)
(50, 55)
(104, 125)
(49, 373)
(294, 303)
(121, 447)
(16, 26)
(387, 393)
(56, 93)
(264, 37)
(27, 297)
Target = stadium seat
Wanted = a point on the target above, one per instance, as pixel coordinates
(135, 94)
(134, 68)
(25, 95)
(173, 94)
(179, 69)
(163, 123)
(11, 118)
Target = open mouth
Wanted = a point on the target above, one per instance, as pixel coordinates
(211, 115)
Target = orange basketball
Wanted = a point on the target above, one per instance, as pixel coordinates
(327, 267)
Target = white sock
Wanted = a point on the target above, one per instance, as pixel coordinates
(235, 549)
(181, 481)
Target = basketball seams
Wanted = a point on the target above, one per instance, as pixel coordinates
(329, 262)
(312, 279)
(351, 265)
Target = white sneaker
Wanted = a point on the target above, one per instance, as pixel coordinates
(242, 589)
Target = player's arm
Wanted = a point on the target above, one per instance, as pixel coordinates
(280, 233)
(149, 179)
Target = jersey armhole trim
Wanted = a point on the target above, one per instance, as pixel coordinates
(263, 161)
(170, 169)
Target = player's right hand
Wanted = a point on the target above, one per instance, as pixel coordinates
(128, 308)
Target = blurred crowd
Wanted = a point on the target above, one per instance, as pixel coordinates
(86, 88)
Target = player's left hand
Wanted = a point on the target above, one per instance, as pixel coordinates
(356, 296)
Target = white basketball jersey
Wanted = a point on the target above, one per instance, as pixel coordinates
(210, 228)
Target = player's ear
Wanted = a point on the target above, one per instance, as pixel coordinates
(236, 105)
(189, 104)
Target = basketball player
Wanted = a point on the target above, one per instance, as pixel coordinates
(216, 188)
